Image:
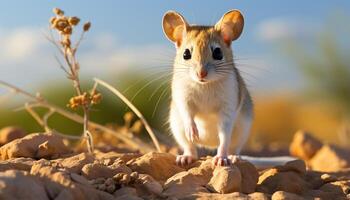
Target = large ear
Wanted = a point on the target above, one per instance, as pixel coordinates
(230, 26)
(174, 26)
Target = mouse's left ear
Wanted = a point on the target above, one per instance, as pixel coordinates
(230, 26)
(174, 27)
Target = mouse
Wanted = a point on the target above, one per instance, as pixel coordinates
(210, 105)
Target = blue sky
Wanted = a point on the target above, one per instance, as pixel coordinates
(129, 31)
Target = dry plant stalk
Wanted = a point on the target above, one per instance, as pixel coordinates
(37, 101)
(133, 108)
(65, 25)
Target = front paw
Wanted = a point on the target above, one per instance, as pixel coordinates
(184, 160)
(221, 161)
(191, 131)
(234, 158)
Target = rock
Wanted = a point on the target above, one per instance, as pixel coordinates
(10, 133)
(304, 145)
(149, 185)
(338, 188)
(160, 166)
(98, 170)
(249, 175)
(55, 180)
(60, 185)
(125, 191)
(281, 195)
(36, 145)
(298, 166)
(79, 179)
(216, 196)
(189, 182)
(21, 185)
(113, 156)
(16, 163)
(75, 163)
(225, 180)
(286, 178)
(258, 196)
(128, 197)
(320, 194)
(330, 159)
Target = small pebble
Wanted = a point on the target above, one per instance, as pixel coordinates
(101, 187)
(109, 181)
(110, 188)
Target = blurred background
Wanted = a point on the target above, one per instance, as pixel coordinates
(294, 56)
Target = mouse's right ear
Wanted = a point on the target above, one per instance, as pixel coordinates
(174, 27)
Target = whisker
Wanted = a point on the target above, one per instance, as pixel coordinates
(146, 85)
(159, 99)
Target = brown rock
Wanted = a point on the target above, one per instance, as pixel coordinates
(36, 145)
(216, 196)
(98, 170)
(319, 194)
(298, 166)
(281, 195)
(21, 185)
(10, 133)
(113, 156)
(16, 164)
(55, 180)
(148, 185)
(75, 163)
(286, 178)
(128, 197)
(304, 145)
(225, 180)
(187, 183)
(125, 191)
(249, 175)
(258, 196)
(160, 166)
(330, 159)
(338, 188)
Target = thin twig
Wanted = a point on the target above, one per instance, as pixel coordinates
(134, 109)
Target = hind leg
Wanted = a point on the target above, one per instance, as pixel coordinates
(178, 129)
(242, 132)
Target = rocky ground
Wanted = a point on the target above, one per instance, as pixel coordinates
(42, 166)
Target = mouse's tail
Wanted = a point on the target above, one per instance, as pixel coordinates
(267, 162)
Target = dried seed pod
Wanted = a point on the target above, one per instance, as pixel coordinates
(61, 24)
(87, 26)
(137, 127)
(128, 117)
(53, 20)
(96, 98)
(73, 21)
(68, 30)
(58, 11)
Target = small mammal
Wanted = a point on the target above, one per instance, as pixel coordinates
(211, 105)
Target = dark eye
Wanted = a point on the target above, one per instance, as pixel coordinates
(187, 54)
(217, 53)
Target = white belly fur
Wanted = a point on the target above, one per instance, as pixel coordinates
(207, 130)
